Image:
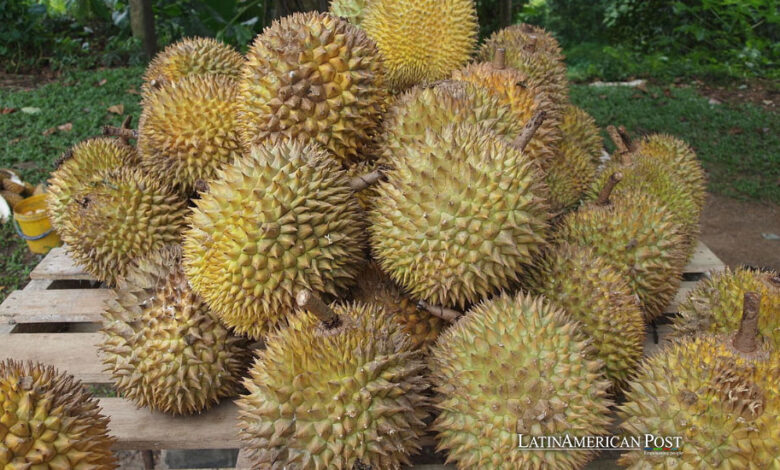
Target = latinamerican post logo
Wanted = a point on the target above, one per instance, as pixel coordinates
(649, 443)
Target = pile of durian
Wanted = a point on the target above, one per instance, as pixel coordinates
(369, 229)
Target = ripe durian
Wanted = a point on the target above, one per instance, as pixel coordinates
(192, 56)
(351, 10)
(343, 392)
(82, 164)
(461, 212)
(580, 130)
(524, 35)
(719, 393)
(118, 216)
(508, 85)
(281, 219)
(165, 349)
(422, 41)
(375, 287)
(638, 236)
(714, 305)
(516, 365)
(315, 76)
(598, 296)
(188, 129)
(48, 421)
(679, 158)
(435, 107)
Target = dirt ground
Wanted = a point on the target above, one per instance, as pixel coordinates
(742, 232)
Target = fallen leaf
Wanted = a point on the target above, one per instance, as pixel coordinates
(603, 97)
(713, 101)
(735, 130)
(767, 102)
(667, 93)
(8, 110)
(683, 119)
(31, 110)
(133, 91)
(101, 82)
(117, 109)
(15, 141)
(49, 131)
(654, 96)
(67, 127)
(636, 95)
(642, 87)
(770, 236)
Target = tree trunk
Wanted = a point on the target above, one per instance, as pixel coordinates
(505, 15)
(142, 25)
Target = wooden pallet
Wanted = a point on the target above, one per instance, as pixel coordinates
(56, 319)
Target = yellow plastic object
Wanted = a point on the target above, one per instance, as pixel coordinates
(32, 223)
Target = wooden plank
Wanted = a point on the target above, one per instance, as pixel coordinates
(58, 265)
(37, 285)
(75, 353)
(704, 260)
(53, 306)
(145, 429)
(6, 329)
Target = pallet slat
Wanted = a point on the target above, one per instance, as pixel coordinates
(75, 353)
(58, 265)
(704, 260)
(55, 306)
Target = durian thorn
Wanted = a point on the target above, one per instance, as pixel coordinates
(529, 130)
(361, 182)
(747, 338)
(499, 59)
(307, 300)
(120, 132)
(439, 311)
(606, 191)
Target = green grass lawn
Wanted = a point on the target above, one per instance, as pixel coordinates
(739, 145)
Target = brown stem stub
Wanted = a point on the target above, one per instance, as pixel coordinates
(606, 191)
(499, 59)
(529, 130)
(617, 139)
(442, 312)
(747, 338)
(120, 132)
(627, 141)
(126, 125)
(361, 182)
(307, 300)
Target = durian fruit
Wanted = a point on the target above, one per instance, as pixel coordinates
(679, 158)
(720, 394)
(120, 215)
(516, 365)
(11, 198)
(366, 196)
(281, 219)
(638, 236)
(580, 130)
(343, 392)
(163, 346)
(422, 41)
(315, 76)
(435, 107)
(351, 10)
(82, 164)
(375, 287)
(461, 212)
(508, 85)
(597, 295)
(188, 129)
(714, 305)
(192, 56)
(524, 35)
(48, 421)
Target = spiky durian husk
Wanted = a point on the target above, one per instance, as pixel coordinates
(509, 86)
(725, 408)
(580, 129)
(460, 212)
(48, 421)
(569, 174)
(315, 76)
(592, 292)
(638, 236)
(376, 287)
(81, 165)
(524, 35)
(680, 159)
(279, 220)
(121, 215)
(516, 365)
(335, 398)
(188, 129)
(421, 40)
(163, 346)
(192, 56)
(433, 108)
(351, 10)
(715, 305)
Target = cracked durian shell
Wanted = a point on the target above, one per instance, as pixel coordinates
(48, 421)
(164, 347)
(349, 397)
(280, 219)
(513, 365)
(314, 76)
(460, 213)
(422, 41)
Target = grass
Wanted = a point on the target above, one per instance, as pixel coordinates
(738, 144)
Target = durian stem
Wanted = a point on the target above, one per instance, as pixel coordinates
(442, 312)
(361, 182)
(126, 125)
(307, 300)
(120, 132)
(747, 338)
(529, 130)
(623, 150)
(630, 144)
(499, 59)
(606, 191)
